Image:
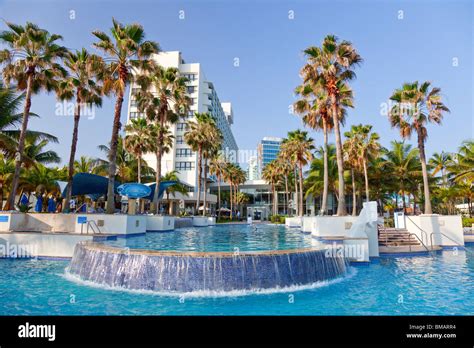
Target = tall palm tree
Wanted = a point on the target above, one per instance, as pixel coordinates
(31, 60)
(210, 151)
(162, 98)
(217, 167)
(80, 85)
(416, 105)
(125, 51)
(330, 67)
(299, 146)
(315, 114)
(202, 134)
(364, 145)
(351, 157)
(139, 140)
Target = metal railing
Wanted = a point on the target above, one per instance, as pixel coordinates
(92, 225)
(423, 244)
(451, 239)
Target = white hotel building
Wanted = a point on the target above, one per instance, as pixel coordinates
(203, 99)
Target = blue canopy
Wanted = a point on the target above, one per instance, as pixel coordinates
(95, 186)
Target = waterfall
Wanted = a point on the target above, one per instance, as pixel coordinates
(215, 271)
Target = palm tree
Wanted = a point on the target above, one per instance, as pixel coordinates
(315, 178)
(439, 162)
(210, 151)
(40, 179)
(84, 165)
(363, 145)
(125, 163)
(173, 189)
(162, 98)
(202, 134)
(330, 67)
(315, 114)
(80, 85)
(34, 152)
(217, 167)
(351, 156)
(30, 60)
(403, 163)
(415, 106)
(299, 147)
(462, 167)
(10, 102)
(125, 51)
(139, 140)
(7, 167)
(285, 167)
(271, 175)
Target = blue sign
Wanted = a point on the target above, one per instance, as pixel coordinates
(3, 218)
(82, 219)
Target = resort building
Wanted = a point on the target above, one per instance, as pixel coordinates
(268, 150)
(204, 99)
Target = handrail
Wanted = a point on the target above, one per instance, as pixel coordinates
(83, 204)
(451, 239)
(91, 223)
(423, 232)
(414, 234)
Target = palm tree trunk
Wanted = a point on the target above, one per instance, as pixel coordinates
(341, 206)
(404, 202)
(426, 187)
(113, 155)
(157, 182)
(354, 195)
(205, 188)
(218, 197)
(296, 193)
(230, 199)
(326, 174)
(75, 131)
(198, 200)
(286, 195)
(139, 169)
(366, 178)
(301, 212)
(10, 205)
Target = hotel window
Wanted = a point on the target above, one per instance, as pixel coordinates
(182, 126)
(191, 77)
(191, 89)
(133, 103)
(184, 153)
(184, 165)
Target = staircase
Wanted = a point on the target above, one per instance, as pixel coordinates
(396, 237)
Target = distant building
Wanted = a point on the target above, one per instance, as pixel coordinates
(252, 170)
(268, 150)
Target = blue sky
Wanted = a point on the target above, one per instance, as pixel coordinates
(423, 45)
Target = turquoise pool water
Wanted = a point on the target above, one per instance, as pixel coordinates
(220, 238)
(425, 285)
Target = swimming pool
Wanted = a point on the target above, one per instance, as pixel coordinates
(424, 285)
(225, 238)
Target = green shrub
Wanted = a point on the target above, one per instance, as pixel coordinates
(467, 222)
